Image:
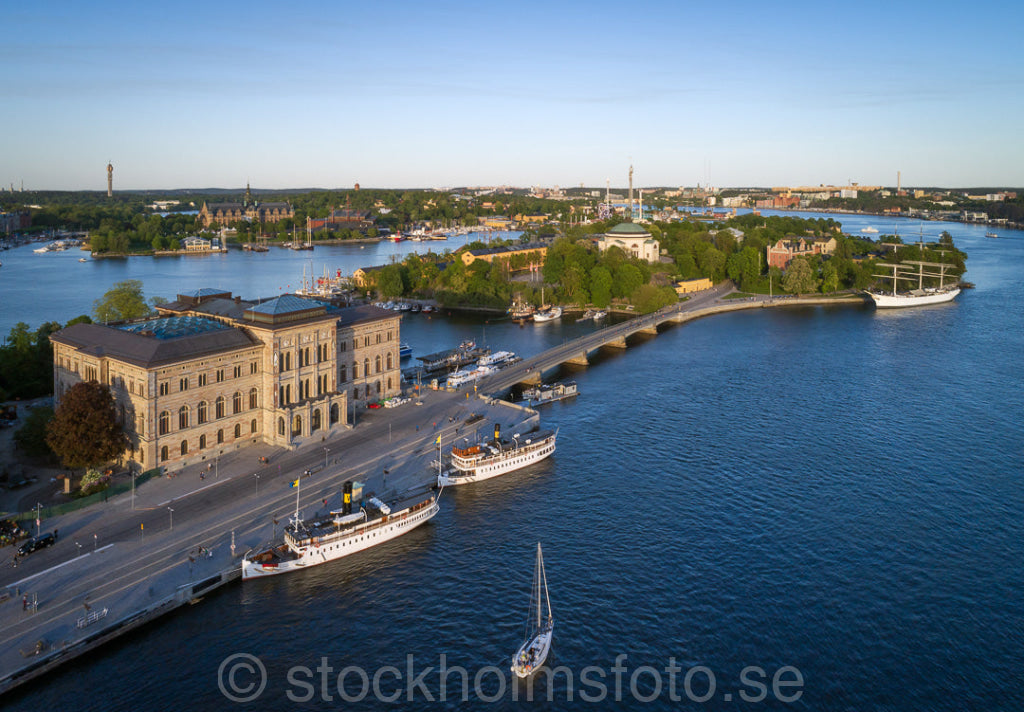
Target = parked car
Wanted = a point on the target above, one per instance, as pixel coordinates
(37, 542)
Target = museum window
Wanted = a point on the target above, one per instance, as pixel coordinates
(183, 417)
(254, 397)
(202, 442)
(219, 406)
(164, 424)
(236, 402)
(202, 414)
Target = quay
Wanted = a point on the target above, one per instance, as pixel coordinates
(124, 563)
(121, 564)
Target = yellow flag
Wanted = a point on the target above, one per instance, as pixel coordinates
(438, 441)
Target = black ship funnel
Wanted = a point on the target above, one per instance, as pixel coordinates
(346, 504)
(497, 432)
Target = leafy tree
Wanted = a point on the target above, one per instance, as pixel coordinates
(628, 278)
(84, 431)
(601, 286)
(31, 436)
(122, 302)
(799, 277)
(829, 277)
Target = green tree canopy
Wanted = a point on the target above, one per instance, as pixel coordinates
(122, 302)
(84, 431)
(799, 277)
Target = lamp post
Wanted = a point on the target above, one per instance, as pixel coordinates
(327, 451)
(171, 512)
(216, 467)
(257, 476)
(79, 548)
(95, 542)
(133, 490)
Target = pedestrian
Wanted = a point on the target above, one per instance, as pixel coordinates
(55, 535)
(24, 603)
(202, 476)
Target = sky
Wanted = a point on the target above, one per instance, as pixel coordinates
(438, 94)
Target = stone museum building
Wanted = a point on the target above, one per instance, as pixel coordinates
(212, 372)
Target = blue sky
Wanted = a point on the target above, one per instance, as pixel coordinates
(414, 94)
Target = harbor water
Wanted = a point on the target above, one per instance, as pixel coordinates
(830, 495)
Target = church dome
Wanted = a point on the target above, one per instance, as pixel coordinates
(627, 229)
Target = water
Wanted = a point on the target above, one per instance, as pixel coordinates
(833, 489)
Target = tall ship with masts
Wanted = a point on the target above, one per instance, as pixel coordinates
(921, 295)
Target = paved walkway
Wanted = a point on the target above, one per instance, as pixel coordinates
(128, 555)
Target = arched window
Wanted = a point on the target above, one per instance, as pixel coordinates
(203, 414)
(219, 405)
(355, 394)
(220, 436)
(378, 387)
(252, 425)
(355, 371)
(280, 426)
(297, 426)
(238, 431)
(164, 454)
(183, 417)
(314, 424)
(236, 403)
(202, 442)
(254, 396)
(376, 364)
(334, 414)
(341, 375)
(184, 447)
(390, 361)
(366, 367)
(165, 424)
(389, 383)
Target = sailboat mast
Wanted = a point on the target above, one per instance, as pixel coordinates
(539, 574)
(544, 574)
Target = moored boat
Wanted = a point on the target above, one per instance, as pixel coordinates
(921, 296)
(306, 543)
(483, 461)
(539, 395)
(548, 315)
(404, 351)
(498, 359)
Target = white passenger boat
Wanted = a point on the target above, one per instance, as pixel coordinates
(498, 359)
(539, 630)
(483, 461)
(539, 395)
(468, 375)
(308, 543)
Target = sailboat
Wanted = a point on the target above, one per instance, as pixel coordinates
(534, 650)
(546, 313)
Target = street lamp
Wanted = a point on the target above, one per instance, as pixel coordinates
(257, 476)
(95, 542)
(171, 511)
(79, 548)
(327, 451)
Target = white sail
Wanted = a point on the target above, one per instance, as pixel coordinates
(534, 650)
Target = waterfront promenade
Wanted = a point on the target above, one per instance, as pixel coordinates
(120, 564)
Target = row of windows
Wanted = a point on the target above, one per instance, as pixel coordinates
(202, 380)
(315, 422)
(342, 373)
(165, 451)
(203, 411)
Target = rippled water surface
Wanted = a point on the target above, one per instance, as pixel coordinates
(833, 489)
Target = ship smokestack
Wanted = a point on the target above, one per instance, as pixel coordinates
(497, 432)
(346, 502)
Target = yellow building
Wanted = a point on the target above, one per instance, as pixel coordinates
(497, 222)
(687, 286)
(534, 218)
(534, 250)
(213, 373)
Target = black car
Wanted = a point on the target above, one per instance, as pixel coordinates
(37, 542)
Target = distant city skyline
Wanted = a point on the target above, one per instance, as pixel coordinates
(408, 95)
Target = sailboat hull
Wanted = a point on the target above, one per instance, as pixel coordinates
(894, 301)
(533, 653)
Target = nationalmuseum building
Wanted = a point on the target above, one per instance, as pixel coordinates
(213, 373)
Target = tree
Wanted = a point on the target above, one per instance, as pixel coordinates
(31, 436)
(84, 431)
(122, 302)
(799, 277)
(601, 286)
(829, 277)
